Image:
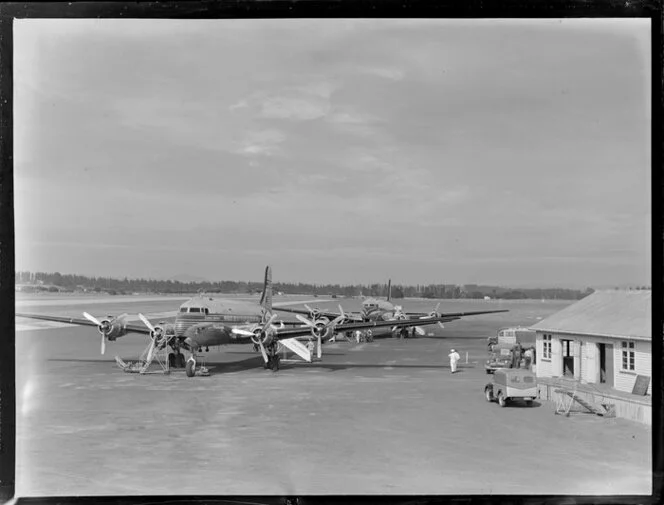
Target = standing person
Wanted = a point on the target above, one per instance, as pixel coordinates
(528, 355)
(516, 356)
(358, 334)
(454, 358)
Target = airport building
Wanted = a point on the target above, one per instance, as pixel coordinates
(601, 347)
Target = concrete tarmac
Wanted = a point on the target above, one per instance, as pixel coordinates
(386, 417)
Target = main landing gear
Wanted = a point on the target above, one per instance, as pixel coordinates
(273, 358)
(190, 367)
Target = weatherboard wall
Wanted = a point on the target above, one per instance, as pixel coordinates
(585, 350)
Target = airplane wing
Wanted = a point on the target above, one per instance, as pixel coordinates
(129, 328)
(276, 305)
(456, 315)
(330, 315)
(400, 323)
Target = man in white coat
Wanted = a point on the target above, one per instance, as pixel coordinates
(454, 359)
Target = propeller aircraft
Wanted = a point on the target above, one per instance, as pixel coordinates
(374, 309)
(202, 322)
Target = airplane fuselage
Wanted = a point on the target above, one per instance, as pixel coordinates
(377, 310)
(208, 321)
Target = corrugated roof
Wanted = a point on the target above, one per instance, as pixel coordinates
(613, 313)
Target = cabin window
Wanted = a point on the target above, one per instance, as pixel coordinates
(546, 349)
(206, 311)
(528, 379)
(194, 309)
(183, 309)
(515, 378)
(627, 355)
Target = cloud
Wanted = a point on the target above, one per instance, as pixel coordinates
(295, 107)
(347, 120)
(261, 143)
(391, 73)
(298, 103)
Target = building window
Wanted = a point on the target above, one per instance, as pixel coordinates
(546, 350)
(627, 356)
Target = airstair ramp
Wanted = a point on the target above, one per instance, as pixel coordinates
(297, 347)
(603, 409)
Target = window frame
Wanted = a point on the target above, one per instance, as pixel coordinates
(547, 346)
(628, 356)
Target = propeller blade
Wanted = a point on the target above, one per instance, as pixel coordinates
(319, 351)
(441, 325)
(103, 344)
(146, 322)
(92, 319)
(437, 307)
(419, 330)
(150, 351)
(304, 320)
(260, 344)
(269, 322)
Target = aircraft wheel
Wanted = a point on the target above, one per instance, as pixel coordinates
(488, 393)
(191, 368)
(501, 399)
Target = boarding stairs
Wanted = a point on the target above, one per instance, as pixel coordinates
(297, 347)
(564, 405)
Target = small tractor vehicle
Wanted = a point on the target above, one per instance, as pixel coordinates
(511, 384)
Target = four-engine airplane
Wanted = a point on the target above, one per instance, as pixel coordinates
(203, 322)
(374, 309)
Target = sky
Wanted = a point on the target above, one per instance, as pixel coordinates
(508, 152)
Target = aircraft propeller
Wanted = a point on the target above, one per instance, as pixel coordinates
(319, 328)
(313, 313)
(257, 335)
(106, 327)
(156, 334)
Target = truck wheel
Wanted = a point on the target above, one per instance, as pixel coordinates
(501, 399)
(488, 393)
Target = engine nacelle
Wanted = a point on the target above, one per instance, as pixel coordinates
(112, 328)
(261, 336)
(321, 329)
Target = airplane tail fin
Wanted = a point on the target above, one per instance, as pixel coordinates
(389, 290)
(266, 297)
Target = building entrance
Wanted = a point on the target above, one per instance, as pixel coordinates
(568, 358)
(606, 364)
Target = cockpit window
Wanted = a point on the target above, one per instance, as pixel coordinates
(194, 309)
(205, 310)
(183, 309)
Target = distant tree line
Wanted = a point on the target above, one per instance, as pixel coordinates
(43, 281)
